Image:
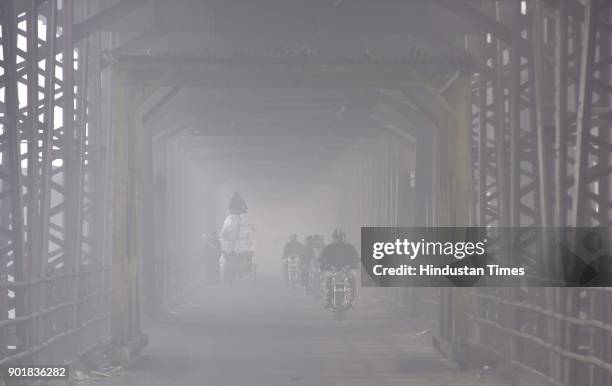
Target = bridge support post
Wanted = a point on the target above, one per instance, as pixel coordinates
(453, 197)
(126, 335)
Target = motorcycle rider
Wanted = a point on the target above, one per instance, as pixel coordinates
(292, 248)
(339, 254)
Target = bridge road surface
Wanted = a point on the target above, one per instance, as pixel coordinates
(270, 335)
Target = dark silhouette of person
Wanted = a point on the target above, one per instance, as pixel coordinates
(337, 255)
(292, 248)
(237, 205)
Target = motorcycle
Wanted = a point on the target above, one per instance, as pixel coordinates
(342, 297)
(293, 268)
(316, 284)
(238, 266)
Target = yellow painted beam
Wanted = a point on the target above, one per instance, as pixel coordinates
(453, 190)
(126, 210)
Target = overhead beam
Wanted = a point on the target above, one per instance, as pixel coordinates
(104, 18)
(487, 24)
(214, 141)
(574, 8)
(283, 72)
(290, 151)
(295, 162)
(139, 42)
(434, 63)
(167, 97)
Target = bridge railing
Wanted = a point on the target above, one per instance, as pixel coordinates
(560, 335)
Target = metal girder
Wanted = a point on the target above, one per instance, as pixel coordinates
(294, 129)
(104, 18)
(286, 152)
(213, 113)
(302, 72)
(504, 120)
(195, 138)
(165, 99)
(224, 117)
(288, 119)
(140, 42)
(525, 138)
(592, 202)
(12, 222)
(298, 64)
(573, 7)
(404, 107)
(52, 159)
(505, 141)
(480, 19)
(306, 173)
(127, 185)
(543, 102)
(190, 103)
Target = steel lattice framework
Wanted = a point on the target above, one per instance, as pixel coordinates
(542, 158)
(54, 153)
(540, 79)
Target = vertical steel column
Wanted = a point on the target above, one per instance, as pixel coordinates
(372, 221)
(541, 113)
(171, 266)
(123, 103)
(515, 165)
(371, 185)
(32, 267)
(82, 144)
(361, 188)
(47, 157)
(423, 175)
(93, 314)
(161, 220)
(396, 183)
(13, 184)
(387, 183)
(561, 116)
(453, 184)
(593, 174)
(500, 126)
(483, 153)
(125, 322)
(585, 107)
(149, 215)
(72, 170)
(515, 116)
(543, 117)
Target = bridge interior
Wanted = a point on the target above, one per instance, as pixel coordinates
(126, 124)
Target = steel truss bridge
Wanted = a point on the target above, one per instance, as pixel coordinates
(489, 113)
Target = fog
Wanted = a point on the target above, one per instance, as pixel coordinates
(189, 191)
(277, 209)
